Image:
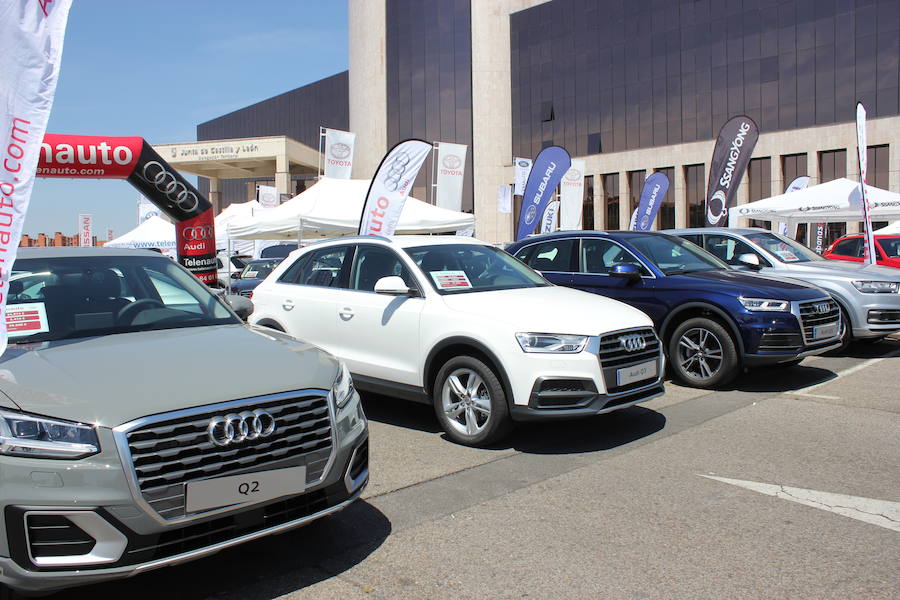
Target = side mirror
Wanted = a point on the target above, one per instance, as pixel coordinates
(242, 306)
(394, 286)
(235, 274)
(750, 261)
(629, 272)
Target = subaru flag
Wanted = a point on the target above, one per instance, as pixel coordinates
(31, 44)
(652, 195)
(571, 197)
(796, 185)
(391, 186)
(549, 221)
(546, 173)
(451, 159)
(523, 169)
(339, 153)
(729, 161)
(869, 253)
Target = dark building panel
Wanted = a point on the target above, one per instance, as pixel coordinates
(660, 73)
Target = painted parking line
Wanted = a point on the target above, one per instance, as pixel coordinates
(863, 365)
(882, 513)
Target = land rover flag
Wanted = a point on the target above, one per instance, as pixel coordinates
(523, 168)
(729, 161)
(869, 255)
(451, 165)
(546, 173)
(31, 44)
(390, 187)
(339, 153)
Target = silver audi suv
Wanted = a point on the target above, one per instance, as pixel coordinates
(120, 449)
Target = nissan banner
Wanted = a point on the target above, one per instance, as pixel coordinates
(31, 43)
(652, 195)
(546, 173)
(730, 157)
(571, 196)
(869, 254)
(85, 230)
(338, 153)
(549, 220)
(451, 166)
(523, 169)
(390, 187)
(504, 199)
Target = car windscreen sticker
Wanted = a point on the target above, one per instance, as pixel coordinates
(787, 255)
(451, 280)
(252, 274)
(26, 319)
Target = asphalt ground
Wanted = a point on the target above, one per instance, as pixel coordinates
(644, 503)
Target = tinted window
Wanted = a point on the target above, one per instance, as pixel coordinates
(371, 263)
(600, 256)
(673, 255)
(784, 249)
(849, 247)
(320, 268)
(461, 268)
(550, 256)
(728, 249)
(891, 246)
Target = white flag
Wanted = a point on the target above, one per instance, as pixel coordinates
(267, 196)
(85, 230)
(450, 170)
(146, 209)
(31, 43)
(571, 196)
(339, 153)
(796, 185)
(390, 187)
(549, 220)
(869, 255)
(523, 169)
(504, 199)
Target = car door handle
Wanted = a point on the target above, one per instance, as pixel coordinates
(346, 314)
(288, 305)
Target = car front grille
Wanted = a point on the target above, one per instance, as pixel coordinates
(780, 341)
(614, 355)
(170, 451)
(816, 314)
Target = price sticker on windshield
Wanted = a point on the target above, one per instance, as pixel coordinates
(787, 255)
(451, 280)
(26, 319)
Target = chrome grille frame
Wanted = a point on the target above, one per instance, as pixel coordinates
(797, 308)
(121, 432)
(638, 357)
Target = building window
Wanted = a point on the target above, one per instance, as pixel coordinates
(877, 174)
(792, 167)
(760, 176)
(587, 210)
(611, 199)
(695, 188)
(666, 216)
(635, 185)
(832, 165)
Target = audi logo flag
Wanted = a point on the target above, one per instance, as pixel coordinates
(390, 187)
(652, 195)
(31, 44)
(730, 157)
(546, 173)
(869, 255)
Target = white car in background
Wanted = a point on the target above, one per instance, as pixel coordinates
(464, 326)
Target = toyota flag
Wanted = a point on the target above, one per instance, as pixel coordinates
(869, 255)
(338, 153)
(523, 169)
(730, 157)
(652, 195)
(31, 43)
(391, 186)
(571, 196)
(451, 165)
(548, 169)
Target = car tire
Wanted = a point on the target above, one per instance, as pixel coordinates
(702, 354)
(470, 403)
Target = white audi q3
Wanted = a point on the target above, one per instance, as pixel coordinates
(462, 325)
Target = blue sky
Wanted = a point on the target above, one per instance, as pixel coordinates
(158, 69)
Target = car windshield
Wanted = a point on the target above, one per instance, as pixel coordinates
(57, 298)
(461, 268)
(784, 249)
(674, 256)
(258, 269)
(891, 246)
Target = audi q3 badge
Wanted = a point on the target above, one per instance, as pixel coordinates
(237, 428)
(633, 343)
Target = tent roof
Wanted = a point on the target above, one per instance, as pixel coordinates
(332, 207)
(837, 200)
(155, 232)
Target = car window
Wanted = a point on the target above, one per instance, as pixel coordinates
(849, 247)
(728, 249)
(693, 238)
(600, 256)
(323, 268)
(461, 268)
(550, 256)
(171, 294)
(784, 249)
(673, 255)
(371, 263)
(891, 246)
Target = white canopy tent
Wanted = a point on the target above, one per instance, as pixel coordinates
(332, 208)
(838, 200)
(892, 229)
(236, 212)
(155, 232)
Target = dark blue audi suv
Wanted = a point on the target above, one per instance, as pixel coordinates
(713, 320)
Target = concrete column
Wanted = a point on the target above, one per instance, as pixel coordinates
(282, 174)
(599, 208)
(680, 191)
(624, 201)
(367, 82)
(215, 195)
(743, 197)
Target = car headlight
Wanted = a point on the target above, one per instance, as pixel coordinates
(765, 304)
(342, 390)
(552, 342)
(40, 437)
(877, 287)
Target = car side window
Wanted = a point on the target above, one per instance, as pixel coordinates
(371, 263)
(550, 256)
(728, 249)
(600, 256)
(292, 273)
(693, 238)
(322, 268)
(849, 247)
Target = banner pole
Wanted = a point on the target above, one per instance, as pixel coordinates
(321, 152)
(434, 168)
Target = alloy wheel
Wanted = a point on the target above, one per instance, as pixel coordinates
(466, 401)
(700, 353)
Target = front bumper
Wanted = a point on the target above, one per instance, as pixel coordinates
(777, 337)
(875, 315)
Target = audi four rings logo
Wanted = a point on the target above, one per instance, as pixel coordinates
(395, 171)
(633, 343)
(164, 181)
(822, 307)
(452, 161)
(235, 428)
(196, 234)
(340, 150)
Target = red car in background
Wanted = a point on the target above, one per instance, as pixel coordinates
(850, 247)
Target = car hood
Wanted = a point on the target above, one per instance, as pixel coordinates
(749, 284)
(114, 379)
(550, 309)
(840, 268)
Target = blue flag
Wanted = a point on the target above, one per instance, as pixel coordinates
(652, 195)
(546, 173)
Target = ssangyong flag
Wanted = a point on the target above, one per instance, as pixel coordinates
(31, 44)
(546, 173)
(730, 157)
(390, 187)
(339, 153)
(869, 255)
